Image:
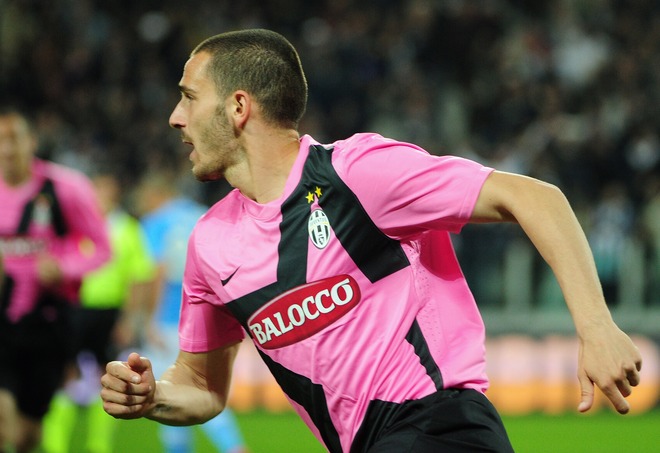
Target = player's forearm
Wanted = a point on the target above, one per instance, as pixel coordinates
(550, 223)
(192, 391)
(181, 405)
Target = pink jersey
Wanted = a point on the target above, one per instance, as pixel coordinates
(53, 213)
(348, 285)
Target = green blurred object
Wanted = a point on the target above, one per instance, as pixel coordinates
(601, 432)
(264, 432)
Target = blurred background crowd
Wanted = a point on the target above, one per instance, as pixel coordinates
(567, 91)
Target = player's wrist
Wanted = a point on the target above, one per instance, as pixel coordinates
(157, 407)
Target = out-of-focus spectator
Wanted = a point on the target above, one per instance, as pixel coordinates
(611, 223)
(651, 226)
(113, 300)
(570, 88)
(51, 234)
(168, 218)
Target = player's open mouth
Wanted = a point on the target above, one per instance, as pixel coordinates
(189, 143)
(186, 140)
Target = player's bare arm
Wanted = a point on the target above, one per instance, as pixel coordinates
(191, 391)
(195, 388)
(607, 357)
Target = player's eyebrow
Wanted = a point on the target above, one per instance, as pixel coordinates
(186, 89)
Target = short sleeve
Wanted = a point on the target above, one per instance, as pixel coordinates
(406, 190)
(205, 324)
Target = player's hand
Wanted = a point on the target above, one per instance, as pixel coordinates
(48, 270)
(609, 359)
(128, 388)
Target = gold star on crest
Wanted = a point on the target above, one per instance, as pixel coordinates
(310, 195)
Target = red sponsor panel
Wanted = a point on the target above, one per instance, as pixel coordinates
(303, 311)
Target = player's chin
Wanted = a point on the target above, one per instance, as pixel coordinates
(205, 175)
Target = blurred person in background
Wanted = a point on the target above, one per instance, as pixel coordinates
(51, 234)
(168, 217)
(515, 76)
(651, 227)
(612, 221)
(113, 300)
(337, 260)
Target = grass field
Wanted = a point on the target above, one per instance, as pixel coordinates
(602, 432)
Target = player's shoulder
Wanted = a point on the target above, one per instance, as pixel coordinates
(63, 177)
(218, 221)
(225, 210)
(361, 140)
(370, 142)
(370, 150)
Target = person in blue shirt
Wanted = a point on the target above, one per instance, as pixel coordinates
(168, 218)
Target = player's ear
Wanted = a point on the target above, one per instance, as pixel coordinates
(240, 108)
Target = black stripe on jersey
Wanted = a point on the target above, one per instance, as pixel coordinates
(310, 396)
(384, 415)
(376, 254)
(416, 339)
(292, 264)
(57, 219)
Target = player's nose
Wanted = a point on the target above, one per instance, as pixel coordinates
(177, 118)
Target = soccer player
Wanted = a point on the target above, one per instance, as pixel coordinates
(51, 234)
(337, 260)
(113, 299)
(168, 217)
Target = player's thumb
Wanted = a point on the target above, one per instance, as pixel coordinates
(587, 393)
(138, 363)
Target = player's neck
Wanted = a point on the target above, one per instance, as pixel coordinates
(270, 158)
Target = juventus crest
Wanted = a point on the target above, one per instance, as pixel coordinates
(318, 226)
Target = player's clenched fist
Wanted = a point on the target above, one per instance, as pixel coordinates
(128, 387)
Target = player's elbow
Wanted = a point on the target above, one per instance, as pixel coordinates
(215, 405)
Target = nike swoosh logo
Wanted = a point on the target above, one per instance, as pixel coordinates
(226, 280)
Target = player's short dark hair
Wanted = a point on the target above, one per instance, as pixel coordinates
(263, 63)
